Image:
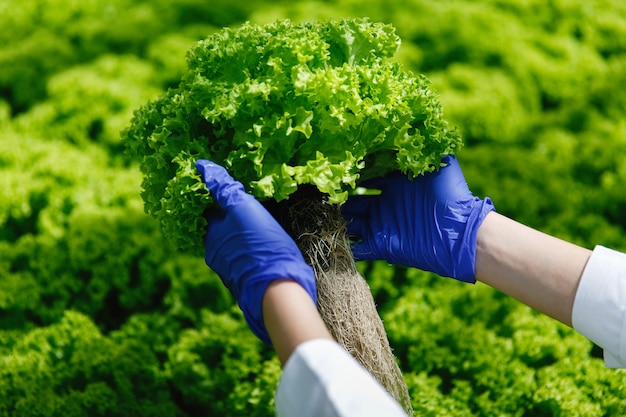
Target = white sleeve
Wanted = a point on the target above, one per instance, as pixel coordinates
(599, 311)
(320, 379)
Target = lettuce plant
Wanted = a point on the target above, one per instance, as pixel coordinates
(299, 113)
(282, 105)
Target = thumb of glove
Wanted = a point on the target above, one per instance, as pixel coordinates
(226, 191)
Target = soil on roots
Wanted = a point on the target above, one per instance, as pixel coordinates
(345, 301)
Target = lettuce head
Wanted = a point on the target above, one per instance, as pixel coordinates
(281, 105)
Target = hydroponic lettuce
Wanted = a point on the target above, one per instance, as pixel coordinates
(282, 105)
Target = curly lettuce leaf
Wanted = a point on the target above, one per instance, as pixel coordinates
(282, 105)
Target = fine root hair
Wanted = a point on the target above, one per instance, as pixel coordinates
(345, 301)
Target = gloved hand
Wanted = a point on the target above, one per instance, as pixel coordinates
(247, 248)
(430, 222)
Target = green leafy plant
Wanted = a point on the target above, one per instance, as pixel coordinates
(283, 105)
(542, 124)
(299, 113)
(60, 240)
(71, 369)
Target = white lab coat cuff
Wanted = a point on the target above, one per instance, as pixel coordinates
(599, 311)
(321, 379)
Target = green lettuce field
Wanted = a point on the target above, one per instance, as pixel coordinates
(99, 317)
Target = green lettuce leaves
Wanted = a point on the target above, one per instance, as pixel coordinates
(285, 104)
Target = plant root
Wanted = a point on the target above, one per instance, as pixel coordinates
(345, 301)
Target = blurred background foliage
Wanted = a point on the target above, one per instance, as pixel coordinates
(98, 317)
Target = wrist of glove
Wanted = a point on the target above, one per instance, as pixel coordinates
(430, 222)
(247, 248)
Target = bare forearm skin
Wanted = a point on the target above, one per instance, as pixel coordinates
(291, 318)
(537, 269)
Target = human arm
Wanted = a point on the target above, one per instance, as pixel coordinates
(291, 318)
(247, 248)
(539, 270)
(320, 379)
(421, 222)
(583, 289)
(264, 270)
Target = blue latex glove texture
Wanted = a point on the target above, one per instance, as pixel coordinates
(247, 247)
(430, 222)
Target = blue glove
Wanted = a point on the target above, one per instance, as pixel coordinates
(247, 248)
(430, 222)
